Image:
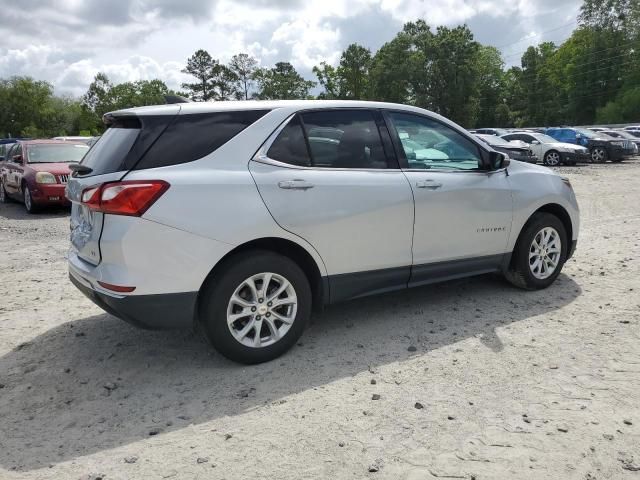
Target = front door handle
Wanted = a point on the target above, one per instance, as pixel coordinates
(296, 184)
(430, 184)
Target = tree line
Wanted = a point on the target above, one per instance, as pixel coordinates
(591, 77)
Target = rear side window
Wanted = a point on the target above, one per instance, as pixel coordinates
(193, 136)
(290, 146)
(344, 139)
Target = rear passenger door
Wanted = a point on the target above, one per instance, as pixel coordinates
(331, 177)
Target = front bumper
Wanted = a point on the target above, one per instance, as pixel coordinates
(572, 249)
(153, 312)
(49, 194)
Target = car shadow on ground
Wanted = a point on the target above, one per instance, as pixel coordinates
(16, 211)
(95, 384)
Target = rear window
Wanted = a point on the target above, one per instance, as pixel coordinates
(56, 153)
(108, 154)
(137, 143)
(191, 137)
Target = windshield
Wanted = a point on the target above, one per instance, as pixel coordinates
(542, 138)
(621, 134)
(56, 153)
(588, 133)
(493, 140)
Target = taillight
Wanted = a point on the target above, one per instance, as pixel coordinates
(124, 198)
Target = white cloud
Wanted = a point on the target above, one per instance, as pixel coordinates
(68, 41)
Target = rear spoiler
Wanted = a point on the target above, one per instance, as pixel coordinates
(171, 99)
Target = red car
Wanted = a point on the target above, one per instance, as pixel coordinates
(36, 171)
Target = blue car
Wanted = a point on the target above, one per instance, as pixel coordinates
(601, 146)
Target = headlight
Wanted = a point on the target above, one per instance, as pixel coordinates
(45, 177)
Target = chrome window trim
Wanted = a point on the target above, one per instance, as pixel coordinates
(261, 154)
(261, 157)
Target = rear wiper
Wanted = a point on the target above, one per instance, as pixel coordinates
(80, 169)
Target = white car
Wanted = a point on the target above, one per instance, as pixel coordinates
(551, 151)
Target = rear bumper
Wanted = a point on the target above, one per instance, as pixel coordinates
(44, 194)
(154, 312)
(572, 249)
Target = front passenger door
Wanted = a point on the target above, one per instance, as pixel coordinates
(463, 212)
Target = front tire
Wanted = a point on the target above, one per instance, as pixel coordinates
(539, 254)
(28, 201)
(599, 155)
(256, 306)
(552, 158)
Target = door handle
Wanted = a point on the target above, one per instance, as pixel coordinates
(430, 184)
(296, 184)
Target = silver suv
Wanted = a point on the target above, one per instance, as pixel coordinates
(239, 217)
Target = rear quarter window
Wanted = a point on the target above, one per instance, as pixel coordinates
(193, 136)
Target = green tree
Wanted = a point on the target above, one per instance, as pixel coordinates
(491, 88)
(329, 80)
(205, 69)
(102, 96)
(226, 84)
(244, 66)
(391, 71)
(353, 71)
(281, 82)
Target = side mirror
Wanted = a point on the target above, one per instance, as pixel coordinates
(535, 142)
(17, 159)
(498, 160)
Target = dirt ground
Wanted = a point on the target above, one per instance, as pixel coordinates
(476, 379)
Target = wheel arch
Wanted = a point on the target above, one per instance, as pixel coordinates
(288, 248)
(554, 209)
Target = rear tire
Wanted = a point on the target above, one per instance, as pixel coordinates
(532, 253)
(240, 303)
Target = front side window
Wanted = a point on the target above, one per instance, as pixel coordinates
(344, 139)
(430, 144)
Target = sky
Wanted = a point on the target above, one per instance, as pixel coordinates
(66, 42)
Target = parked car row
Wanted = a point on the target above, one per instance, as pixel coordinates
(564, 145)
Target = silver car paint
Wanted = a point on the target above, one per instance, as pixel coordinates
(213, 205)
(468, 216)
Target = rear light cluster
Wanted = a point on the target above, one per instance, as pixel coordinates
(131, 198)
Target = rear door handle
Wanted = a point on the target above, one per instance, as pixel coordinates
(296, 184)
(430, 184)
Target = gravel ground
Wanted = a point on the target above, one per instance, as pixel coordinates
(471, 379)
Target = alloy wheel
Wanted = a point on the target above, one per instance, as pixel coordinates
(544, 253)
(553, 158)
(262, 309)
(598, 155)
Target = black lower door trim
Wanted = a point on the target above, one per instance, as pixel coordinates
(449, 270)
(359, 284)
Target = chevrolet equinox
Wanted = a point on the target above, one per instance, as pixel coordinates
(239, 217)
